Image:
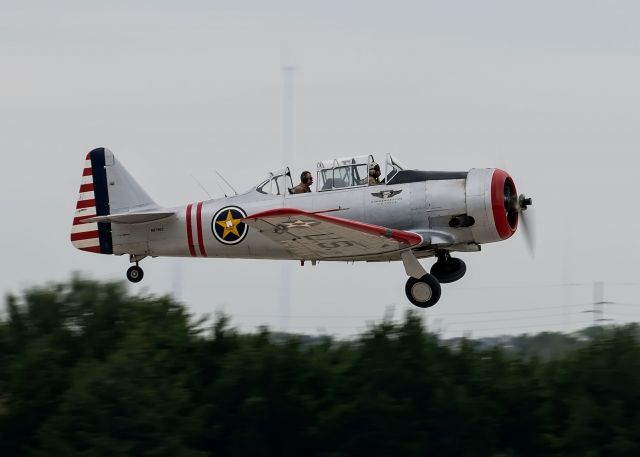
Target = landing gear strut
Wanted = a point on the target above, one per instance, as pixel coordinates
(448, 269)
(135, 273)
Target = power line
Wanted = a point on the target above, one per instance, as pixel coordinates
(545, 316)
(369, 316)
(617, 313)
(484, 329)
(458, 323)
(528, 326)
(546, 286)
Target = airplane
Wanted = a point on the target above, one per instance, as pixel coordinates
(404, 215)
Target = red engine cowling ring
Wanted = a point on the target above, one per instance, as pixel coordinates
(504, 200)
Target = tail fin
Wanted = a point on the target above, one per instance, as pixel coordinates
(106, 188)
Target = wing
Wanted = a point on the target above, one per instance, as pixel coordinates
(315, 236)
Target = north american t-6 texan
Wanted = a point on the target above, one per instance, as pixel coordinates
(399, 215)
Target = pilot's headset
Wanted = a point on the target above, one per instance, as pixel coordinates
(373, 167)
(305, 177)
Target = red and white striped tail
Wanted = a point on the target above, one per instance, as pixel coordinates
(86, 236)
(92, 201)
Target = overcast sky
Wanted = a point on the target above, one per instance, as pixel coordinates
(548, 90)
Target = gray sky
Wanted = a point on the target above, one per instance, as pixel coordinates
(547, 90)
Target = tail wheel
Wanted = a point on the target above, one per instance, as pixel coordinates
(135, 274)
(424, 292)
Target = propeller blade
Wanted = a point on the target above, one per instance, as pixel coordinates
(525, 213)
(527, 219)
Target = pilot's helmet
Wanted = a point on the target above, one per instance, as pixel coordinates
(373, 167)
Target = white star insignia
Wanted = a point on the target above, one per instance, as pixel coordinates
(300, 224)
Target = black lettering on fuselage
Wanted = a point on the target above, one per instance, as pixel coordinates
(335, 244)
(321, 237)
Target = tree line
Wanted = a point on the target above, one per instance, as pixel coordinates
(88, 369)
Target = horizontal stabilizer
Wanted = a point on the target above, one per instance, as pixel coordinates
(131, 218)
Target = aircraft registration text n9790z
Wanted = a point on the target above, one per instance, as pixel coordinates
(359, 211)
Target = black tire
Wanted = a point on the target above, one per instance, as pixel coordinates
(135, 274)
(424, 292)
(449, 271)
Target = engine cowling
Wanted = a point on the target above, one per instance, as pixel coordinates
(492, 200)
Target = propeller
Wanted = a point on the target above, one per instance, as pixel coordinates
(522, 206)
(517, 208)
(527, 219)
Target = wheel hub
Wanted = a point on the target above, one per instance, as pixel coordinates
(421, 291)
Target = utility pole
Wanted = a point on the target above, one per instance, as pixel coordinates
(287, 114)
(598, 304)
(287, 158)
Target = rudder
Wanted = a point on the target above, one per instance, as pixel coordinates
(93, 201)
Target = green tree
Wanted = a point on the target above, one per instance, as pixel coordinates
(599, 397)
(88, 369)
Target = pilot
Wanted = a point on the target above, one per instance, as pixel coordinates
(306, 179)
(374, 174)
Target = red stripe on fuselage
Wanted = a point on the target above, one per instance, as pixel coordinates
(87, 172)
(199, 225)
(192, 249)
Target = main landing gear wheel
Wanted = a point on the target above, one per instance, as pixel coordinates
(423, 292)
(135, 274)
(448, 269)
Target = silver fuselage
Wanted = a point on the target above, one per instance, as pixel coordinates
(424, 207)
